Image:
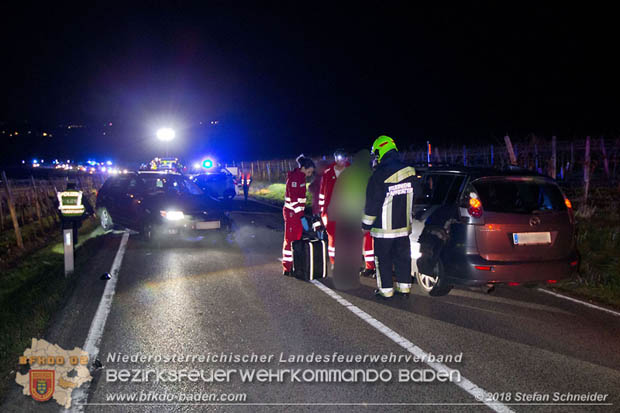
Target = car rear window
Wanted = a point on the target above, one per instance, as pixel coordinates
(519, 196)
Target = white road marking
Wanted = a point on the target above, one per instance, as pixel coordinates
(607, 310)
(93, 340)
(477, 392)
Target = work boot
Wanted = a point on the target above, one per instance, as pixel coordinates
(383, 296)
(287, 273)
(368, 272)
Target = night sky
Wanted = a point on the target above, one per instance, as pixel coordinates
(283, 80)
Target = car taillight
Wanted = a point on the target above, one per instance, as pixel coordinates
(569, 205)
(475, 207)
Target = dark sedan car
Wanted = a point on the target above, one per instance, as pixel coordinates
(158, 203)
(483, 227)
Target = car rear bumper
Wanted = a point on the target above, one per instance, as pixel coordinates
(474, 271)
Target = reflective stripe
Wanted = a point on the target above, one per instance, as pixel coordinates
(369, 252)
(287, 199)
(321, 196)
(378, 233)
(400, 175)
(299, 209)
(369, 259)
(403, 287)
(321, 202)
(287, 252)
(368, 219)
(386, 292)
(331, 248)
(287, 259)
(301, 200)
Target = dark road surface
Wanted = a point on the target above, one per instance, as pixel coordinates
(226, 295)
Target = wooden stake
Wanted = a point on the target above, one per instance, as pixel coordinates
(9, 199)
(36, 202)
(586, 171)
(605, 161)
(553, 158)
(511, 152)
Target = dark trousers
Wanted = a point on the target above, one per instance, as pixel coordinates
(246, 188)
(392, 253)
(348, 238)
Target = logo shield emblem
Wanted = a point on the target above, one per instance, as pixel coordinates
(42, 384)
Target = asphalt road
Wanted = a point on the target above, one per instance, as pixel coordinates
(227, 295)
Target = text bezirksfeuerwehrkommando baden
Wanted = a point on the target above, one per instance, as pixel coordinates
(257, 358)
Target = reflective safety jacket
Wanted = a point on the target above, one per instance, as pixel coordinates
(295, 195)
(389, 198)
(327, 187)
(246, 179)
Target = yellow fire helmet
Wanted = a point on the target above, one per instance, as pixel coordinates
(381, 146)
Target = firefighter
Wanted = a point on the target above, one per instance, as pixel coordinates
(387, 215)
(325, 194)
(246, 180)
(294, 207)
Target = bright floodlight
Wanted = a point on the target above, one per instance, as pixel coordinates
(165, 134)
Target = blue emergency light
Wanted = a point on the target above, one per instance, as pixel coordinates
(207, 163)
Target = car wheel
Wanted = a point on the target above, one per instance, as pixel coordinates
(105, 219)
(433, 285)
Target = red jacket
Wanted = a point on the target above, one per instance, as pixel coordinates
(246, 179)
(327, 187)
(295, 195)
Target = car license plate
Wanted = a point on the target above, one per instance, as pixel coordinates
(529, 238)
(208, 225)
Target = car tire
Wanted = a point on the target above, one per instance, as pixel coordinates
(105, 219)
(434, 285)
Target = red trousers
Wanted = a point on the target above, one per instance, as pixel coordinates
(292, 232)
(369, 252)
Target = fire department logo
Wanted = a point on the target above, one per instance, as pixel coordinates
(42, 384)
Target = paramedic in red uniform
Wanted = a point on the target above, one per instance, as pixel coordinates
(325, 195)
(294, 207)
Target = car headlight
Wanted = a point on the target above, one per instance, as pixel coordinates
(172, 215)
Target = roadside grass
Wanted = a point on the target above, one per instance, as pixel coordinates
(32, 291)
(598, 242)
(273, 193)
(34, 235)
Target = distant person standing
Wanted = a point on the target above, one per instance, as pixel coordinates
(325, 194)
(387, 215)
(246, 180)
(294, 207)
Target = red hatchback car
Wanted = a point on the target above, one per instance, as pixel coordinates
(483, 227)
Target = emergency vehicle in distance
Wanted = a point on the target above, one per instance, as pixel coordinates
(215, 180)
(159, 201)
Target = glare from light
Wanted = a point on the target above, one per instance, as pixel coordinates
(166, 134)
(172, 215)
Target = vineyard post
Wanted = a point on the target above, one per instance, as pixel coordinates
(511, 152)
(553, 158)
(605, 160)
(36, 201)
(9, 201)
(586, 171)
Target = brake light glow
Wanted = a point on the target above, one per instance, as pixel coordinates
(574, 263)
(552, 281)
(475, 207)
(569, 205)
(483, 267)
(513, 284)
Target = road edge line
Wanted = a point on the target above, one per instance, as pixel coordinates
(95, 332)
(472, 389)
(566, 297)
